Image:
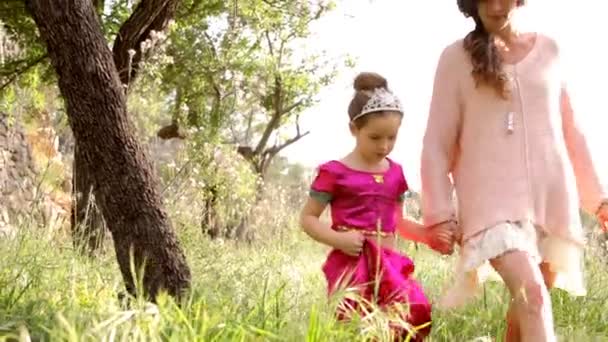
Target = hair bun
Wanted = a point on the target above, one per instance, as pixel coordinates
(368, 81)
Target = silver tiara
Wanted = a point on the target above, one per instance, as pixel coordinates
(380, 100)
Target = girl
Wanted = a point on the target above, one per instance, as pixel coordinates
(365, 190)
(501, 124)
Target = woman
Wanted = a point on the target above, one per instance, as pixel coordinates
(502, 126)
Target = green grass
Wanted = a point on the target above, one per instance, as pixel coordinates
(267, 292)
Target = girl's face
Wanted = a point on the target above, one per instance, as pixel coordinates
(496, 14)
(376, 138)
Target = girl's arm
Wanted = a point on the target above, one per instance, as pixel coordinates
(310, 223)
(440, 237)
(350, 243)
(409, 229)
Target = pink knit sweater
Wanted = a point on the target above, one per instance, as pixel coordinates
(536, 172)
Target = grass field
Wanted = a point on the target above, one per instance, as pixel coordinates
(266, 292)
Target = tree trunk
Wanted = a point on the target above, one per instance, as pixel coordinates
(125, 186)
(147, 16)
(88, 226)
(210, 223)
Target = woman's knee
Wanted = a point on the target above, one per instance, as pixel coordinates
(533, 296)
(524, 279)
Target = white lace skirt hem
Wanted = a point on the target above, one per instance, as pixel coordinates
(473, 267)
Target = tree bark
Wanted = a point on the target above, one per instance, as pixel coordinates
(148, 15)
(88, 226)
(124, 183)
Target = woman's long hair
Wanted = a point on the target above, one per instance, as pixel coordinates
(485, 58)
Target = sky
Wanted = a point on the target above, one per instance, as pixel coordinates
(402, 40)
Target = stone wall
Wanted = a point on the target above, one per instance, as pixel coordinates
(21, 196)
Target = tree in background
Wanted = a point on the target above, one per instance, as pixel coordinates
(124, 183)
(244, 75)
(237, 72)
(134, 29)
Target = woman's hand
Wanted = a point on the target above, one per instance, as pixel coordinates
(441, 237)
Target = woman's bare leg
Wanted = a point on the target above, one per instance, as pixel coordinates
(530, 310)
(513, 332)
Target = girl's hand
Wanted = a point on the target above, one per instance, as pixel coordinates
(350, 242)
(442, 236)
(602, 216)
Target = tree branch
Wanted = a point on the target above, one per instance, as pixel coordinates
(211, 45)
(269, 41)
(235, 135)
(268, 155)
(292, 107)
(249, 127)
(149, 15)
(322, 8)
(276, 149)
(276, 116)
(281, 50)
(18, 73)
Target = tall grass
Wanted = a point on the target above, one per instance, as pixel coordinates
(263, 292)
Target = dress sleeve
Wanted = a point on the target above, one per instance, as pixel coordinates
(323, 186)
(402, 186)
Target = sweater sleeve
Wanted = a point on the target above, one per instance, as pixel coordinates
(439, 141)
(588, 182)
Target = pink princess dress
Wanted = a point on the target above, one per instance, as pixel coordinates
(369, 202)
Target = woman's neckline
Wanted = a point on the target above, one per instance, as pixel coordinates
(528, 55)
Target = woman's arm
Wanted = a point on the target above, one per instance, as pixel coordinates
(590, 190)
(438, 147)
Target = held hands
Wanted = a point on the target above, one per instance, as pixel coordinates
(442, 237)
(350, 242)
